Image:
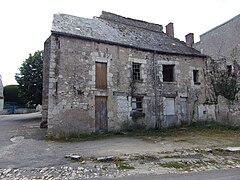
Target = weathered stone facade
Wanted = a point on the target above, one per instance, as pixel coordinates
(1, 95)
(163, 91)
(222, 44)
(222, 41)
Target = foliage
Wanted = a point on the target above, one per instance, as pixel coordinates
(196, 128)
(30, 78)
(123, 165)
(226, 85)
(173, 164)
(11, 94)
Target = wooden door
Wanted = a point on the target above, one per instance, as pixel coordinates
(101, 75)
(101, 121)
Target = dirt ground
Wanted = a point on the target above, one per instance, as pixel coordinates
(23, 146)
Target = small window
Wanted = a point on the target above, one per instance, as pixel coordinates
(137, 104)
(229, 70)
(168, 73)
(196, 77)
(136, 71)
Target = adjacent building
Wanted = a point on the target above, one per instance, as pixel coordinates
(112, 72)
(222, 44)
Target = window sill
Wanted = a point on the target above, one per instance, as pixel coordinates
(168, 82)
(137, 114)
(138, 81)
(197, 83)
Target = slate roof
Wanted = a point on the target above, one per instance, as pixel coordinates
(114, 29)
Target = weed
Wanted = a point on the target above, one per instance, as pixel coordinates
(174, 164)
(123, 165)
(170, 156)
(194, 129)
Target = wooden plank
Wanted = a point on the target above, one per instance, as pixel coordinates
(101, 75)
(101, 121)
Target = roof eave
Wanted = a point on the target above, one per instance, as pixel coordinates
(120, 44)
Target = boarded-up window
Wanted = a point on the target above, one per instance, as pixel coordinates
(137, 104)
(169, 106)
(168, 73)
(101, 75)
(136, 71)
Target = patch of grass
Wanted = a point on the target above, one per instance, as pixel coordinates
(170, 156)
(123, 165)
(212, 125)
(174, 164)
(80, 160)
(145, 157)
(74, 136)
(198, 128)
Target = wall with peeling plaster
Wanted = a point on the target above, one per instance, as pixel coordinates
(69, 85)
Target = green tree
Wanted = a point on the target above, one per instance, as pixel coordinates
(11, 94)
(30, 78)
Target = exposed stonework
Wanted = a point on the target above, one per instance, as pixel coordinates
(1, 95)
(222, 44)
(164, 92)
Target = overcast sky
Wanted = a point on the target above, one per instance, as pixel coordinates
(26, 24)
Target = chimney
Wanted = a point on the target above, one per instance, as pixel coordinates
(189, 39)
(170, 30)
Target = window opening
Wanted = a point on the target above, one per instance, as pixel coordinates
(168, 73)
(196, 77)
(229, 70)
(137, 104)
(136, 71)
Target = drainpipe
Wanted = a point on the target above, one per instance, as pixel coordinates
(158, 124)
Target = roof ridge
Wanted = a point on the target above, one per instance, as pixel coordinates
(222, 24)
(132, 22)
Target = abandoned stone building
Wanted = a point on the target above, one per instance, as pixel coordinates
(222, 44)
(1, 94)
(112, 72)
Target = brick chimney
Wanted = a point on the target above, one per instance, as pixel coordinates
(170, 30)
(189, 39)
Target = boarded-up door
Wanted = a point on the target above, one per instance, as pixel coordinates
(183, 109)
(169, 106)
(101, 122)
(101, 75)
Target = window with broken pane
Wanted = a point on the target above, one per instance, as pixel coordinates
(137, 104)
(136, 68)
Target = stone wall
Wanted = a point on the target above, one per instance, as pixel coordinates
(223, 46)
(1, 95)
(70, 85)
(222, 41)
(228, 112)
(45, 95)
(131, 22)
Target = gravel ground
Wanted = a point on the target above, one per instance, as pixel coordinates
(24, 154)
